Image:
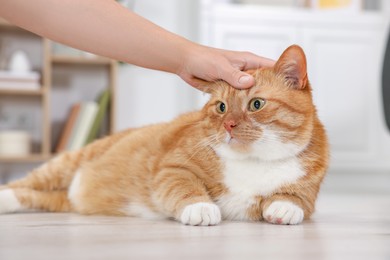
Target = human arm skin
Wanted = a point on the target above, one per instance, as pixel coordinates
(106, 28)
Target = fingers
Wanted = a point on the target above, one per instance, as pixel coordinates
(209, 64)
(248, 60)
(239, 62)
(238, 79)
(254, 62)
(202, 85)
(235, 77)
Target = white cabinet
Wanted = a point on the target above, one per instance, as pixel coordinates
(344, 54)
(343, 69)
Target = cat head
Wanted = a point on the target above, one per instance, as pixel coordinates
(273, 120)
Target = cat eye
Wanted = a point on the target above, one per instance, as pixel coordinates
(256, 104)
(221, 107)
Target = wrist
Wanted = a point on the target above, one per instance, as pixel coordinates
(185, 54)
(191, 58)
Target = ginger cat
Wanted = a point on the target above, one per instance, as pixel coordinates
(251, 155)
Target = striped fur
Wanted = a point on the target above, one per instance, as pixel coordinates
(202, 166)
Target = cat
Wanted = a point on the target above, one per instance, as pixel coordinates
(247, 155)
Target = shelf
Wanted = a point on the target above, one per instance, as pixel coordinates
(25, 159)
(59, 59)
(21, 92)
(42, 95)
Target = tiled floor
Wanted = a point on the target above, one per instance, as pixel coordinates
(349, 224)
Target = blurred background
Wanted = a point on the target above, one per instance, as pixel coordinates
(344, 40)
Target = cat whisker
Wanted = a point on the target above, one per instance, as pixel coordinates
(203, 146)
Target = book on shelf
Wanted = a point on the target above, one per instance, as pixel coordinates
(84, 121)
(346, 5)
(103, 102)
(83, 125)
(69, 125)
(19, 80)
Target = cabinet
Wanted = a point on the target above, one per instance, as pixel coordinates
(344, 54)
(47, 108)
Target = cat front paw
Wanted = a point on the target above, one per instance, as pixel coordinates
(201, 214)
(283, 212)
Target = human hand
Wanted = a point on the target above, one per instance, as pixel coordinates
(210, 64)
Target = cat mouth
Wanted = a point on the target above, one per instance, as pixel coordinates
(237, 142)
(231, 140)
(228, 138)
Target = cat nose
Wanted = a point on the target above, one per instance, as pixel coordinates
(229, 125)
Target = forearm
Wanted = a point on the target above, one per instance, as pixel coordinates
(106, 28)
(102, 27)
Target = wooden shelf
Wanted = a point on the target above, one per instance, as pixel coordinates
(48, 62)
(21, 92)
(59, 59)
(25, 159)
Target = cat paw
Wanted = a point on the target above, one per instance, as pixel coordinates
(201, 214)
(283, 212)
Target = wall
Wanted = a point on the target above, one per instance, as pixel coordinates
(146, 96)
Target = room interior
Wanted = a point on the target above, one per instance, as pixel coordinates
(348, 55)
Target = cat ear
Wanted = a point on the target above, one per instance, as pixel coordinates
(292, 65)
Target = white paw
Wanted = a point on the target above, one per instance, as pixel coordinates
(8, 202)
(283, 212)
(201, 214)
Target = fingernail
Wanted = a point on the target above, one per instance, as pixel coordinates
(244, 79)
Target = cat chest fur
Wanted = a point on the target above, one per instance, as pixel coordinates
(245, 179)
